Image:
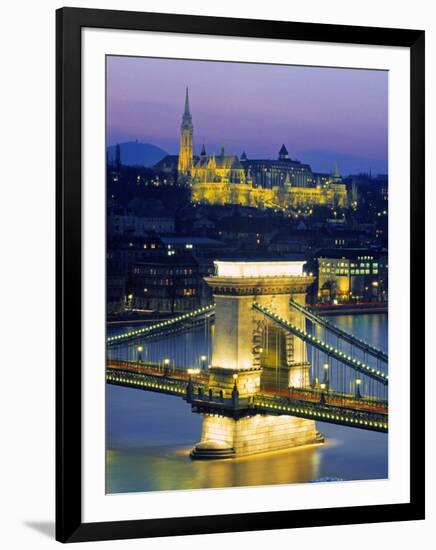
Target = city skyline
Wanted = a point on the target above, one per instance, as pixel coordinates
(336, 115)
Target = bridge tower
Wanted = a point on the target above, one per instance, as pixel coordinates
(250, 355)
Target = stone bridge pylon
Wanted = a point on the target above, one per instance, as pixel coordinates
(250, 354)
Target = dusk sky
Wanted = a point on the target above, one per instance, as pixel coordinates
(322, 115)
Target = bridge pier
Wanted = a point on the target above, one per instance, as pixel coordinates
(247, 357)
(224, 437)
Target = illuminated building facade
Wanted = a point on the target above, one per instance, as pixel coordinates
(267, 173)
(227, 179)
(354, 274)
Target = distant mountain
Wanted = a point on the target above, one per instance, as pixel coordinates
(135, 153)
(324, 161)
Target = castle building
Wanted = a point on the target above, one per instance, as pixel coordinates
(217, 169)
(268, 173)
(283, 183)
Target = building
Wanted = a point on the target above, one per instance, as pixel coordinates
(227, 179)
(268, 173)
(352, 274)
(124, 252)
(166, 283)
(128, 224)
(140, 218)
(218, 169)
(115, 291)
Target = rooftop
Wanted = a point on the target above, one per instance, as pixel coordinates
(259, 269)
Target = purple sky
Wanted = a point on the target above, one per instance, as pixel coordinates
(321, 114)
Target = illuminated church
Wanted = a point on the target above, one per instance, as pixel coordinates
(265, 183)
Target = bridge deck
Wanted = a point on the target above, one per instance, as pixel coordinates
(332, 407)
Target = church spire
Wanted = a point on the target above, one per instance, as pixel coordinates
(187, 112)
(186, 155)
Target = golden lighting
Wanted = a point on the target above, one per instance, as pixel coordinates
(259, 269)
(193, 371)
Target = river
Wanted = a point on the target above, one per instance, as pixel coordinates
(149, 437)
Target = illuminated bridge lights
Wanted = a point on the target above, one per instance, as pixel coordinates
(322, 345)
(327, 416)
(343, 334)
(145, 330)
(352, 418)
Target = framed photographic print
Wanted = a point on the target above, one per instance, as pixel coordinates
(240, 235)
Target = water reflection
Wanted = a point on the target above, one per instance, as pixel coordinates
(169, 468)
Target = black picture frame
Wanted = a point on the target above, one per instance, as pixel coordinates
(69, 23)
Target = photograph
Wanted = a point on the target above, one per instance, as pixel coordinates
(247, 284)
(217, 253)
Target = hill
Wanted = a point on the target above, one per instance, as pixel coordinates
(135, 153)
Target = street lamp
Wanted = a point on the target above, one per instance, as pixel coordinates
(357, 389)
(139, 349)
(326, 375)
(203, 359)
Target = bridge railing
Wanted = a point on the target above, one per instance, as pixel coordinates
(330, 397)
(196, 392)
(322, 411)
(155, 368)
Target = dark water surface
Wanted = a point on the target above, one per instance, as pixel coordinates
(149, 437)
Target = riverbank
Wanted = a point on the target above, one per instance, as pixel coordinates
(349, 309)
(324, 309)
